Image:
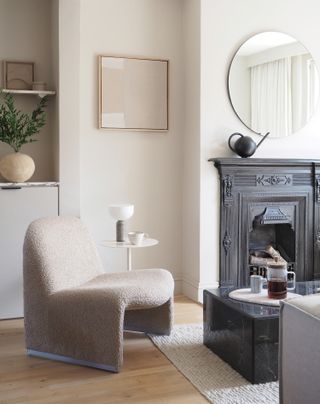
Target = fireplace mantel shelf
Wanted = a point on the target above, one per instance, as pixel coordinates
(258, 162)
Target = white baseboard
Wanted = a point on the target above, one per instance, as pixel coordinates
(178, 285)
(194, 289)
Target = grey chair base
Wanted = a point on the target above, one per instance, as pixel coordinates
(72, 361)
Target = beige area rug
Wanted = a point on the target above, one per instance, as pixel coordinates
(213, 377)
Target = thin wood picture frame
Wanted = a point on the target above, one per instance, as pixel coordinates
(18, 75)
(133, 93)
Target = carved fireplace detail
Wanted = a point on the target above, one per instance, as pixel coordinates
(268, 203)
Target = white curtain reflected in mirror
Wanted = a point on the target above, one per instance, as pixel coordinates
(273, 84)
(271, 109)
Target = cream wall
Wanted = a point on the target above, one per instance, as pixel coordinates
(69, 98)
(224, 26)
(55, 84)
(191, 149)
(166, 175)
(144, 168)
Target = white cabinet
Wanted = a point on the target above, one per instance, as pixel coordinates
(18, 208)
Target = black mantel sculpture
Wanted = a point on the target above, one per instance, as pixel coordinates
(268, 201)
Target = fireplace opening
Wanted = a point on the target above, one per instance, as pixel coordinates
(271, 239)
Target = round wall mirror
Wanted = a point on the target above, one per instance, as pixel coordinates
(273, 84)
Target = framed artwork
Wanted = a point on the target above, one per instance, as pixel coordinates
(133, 93)
(18, 75)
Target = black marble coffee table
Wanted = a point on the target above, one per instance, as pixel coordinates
(245, 335)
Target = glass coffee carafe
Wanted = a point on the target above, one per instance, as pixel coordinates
(277, 277)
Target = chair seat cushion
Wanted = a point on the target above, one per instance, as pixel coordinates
(138, 289)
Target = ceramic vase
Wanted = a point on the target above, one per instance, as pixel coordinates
(17, 167)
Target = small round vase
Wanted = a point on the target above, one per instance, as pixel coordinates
(17, 167)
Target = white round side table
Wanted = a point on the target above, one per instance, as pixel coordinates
(147, 242)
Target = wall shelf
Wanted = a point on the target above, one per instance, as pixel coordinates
(15, 185)
(40, 94)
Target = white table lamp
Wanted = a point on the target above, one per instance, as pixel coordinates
(121, 213)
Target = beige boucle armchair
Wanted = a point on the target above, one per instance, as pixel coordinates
(74, 311)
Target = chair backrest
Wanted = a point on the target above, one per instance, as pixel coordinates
(58, 254)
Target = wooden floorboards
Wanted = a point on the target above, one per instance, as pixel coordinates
(147, 375)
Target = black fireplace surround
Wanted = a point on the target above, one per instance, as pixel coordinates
(268, 202)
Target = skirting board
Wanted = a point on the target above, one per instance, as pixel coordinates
(194, 290)
(178, 284)
(72, 361)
